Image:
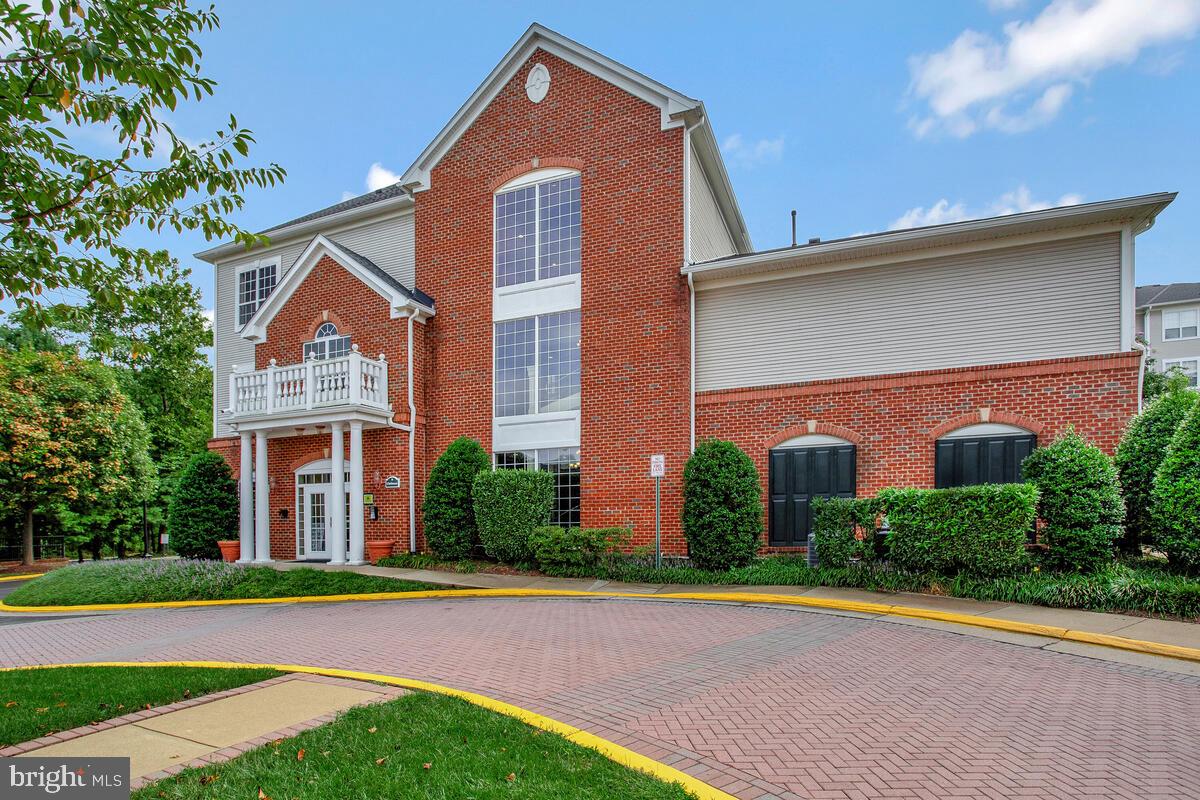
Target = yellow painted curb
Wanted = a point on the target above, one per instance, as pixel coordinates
(21, 577)
(610, 750)
(881, 609)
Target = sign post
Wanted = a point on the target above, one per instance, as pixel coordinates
(658, 467)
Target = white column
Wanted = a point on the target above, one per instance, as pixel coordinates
(246, 485)
(262, 501)
(357, 545)
(337, 503)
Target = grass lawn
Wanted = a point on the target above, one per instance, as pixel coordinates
(161, 580)
(420, 746)
(37, 702)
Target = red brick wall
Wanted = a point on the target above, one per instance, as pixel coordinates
(895, 419)
(634, 315)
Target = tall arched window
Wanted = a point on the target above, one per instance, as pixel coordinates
(327, 343)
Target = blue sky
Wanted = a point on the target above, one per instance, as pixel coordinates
(860, 115)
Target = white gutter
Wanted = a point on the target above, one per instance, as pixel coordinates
(412, 443)
(692, 353)
(1141, 371)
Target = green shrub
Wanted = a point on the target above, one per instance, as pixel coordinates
(976, 530)
(509, 504)
(844, 529)
(1141, 452)
(1176, 496)
(722, 506)
(447, 510)
(204, 509)
(571, 550)
(1079, 499)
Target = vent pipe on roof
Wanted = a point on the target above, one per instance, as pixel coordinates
(793, 227)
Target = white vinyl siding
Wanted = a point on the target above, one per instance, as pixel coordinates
(709, 237)
(388, 241)
(1038, 301)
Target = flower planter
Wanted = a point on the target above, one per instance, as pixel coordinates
(378, 550)
(230, 550)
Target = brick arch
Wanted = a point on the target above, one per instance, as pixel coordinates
(827, 428)
(321, 319)
(518, 170)
(306, 459)
(981, 415)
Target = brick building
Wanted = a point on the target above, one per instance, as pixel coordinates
(564, 275)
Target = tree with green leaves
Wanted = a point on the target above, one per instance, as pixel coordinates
(722, 506)
(119, 68)
(1175, 499)
(204, 509)
(69, 438)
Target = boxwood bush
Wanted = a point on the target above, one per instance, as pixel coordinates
(574, 550)
(204, 508)
(976, 530)
(1079, 500)
(722, 506)
(447, 511)
(1141, 452)
(844, 529)
(509, 504)
(1176, 496)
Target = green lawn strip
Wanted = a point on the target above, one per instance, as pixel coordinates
(167, 580)
(419, 746)
(38, 702)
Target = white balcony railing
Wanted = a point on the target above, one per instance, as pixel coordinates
(352, 380)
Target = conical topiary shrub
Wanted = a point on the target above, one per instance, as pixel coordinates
(204, 509)
(447, 509)
(722, 506)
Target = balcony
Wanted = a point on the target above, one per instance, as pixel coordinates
(352, 383)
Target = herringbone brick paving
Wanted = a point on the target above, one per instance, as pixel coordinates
(764, 702)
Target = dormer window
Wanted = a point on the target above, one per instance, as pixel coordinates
(327, 343)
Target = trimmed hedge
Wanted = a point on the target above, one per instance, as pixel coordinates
(1176, 496)
(559, 550)
(722, 506)
(976, 530)
(509, 504)
(844, 529)
(1079, 500)
(204, 508)
(1141, 453)
(447, 511)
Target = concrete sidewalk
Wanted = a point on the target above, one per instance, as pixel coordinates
(1183, 634)
(166, 740)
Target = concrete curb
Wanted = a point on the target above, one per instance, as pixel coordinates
(883, 609)
(610, 750)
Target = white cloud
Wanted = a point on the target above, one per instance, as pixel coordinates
(1004, 5)
(979, 82)
(752, 154)
(379, 176)
(1015, 202)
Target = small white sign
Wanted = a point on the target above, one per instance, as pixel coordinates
(658, 466)
(392, 482)
(163, 538)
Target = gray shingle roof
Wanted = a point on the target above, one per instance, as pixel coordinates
(386, 193)
(1159, 294)
(372, 267)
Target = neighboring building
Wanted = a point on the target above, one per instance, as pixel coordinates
(1168, 318)
(564, 275)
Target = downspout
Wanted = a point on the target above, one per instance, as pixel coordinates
(1141, 371)
(412, 443)
(692, 354)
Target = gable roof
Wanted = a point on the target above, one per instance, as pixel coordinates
(1158, 294)
(401, 299)
(676, 108)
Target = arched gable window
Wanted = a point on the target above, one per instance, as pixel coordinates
(327, 343)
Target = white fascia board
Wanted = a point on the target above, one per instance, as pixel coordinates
(885, 247)
(256, 329)
(1195, 301)
(675, 107)
(704, 142)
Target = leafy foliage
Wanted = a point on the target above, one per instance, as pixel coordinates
(567, 550)
(722, 506)
(509, 504)
(1079, 500)
(448, 513)
(204, 510)
(976, 530)
(1141, 452)
(1175, 507)
(117, 68)
(69, 438)
(844, 529)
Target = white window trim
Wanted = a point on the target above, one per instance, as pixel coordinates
(982, 429)
(325, 340)
(253, 266)
(1179, 362)
(532, 179)
(1163, 319)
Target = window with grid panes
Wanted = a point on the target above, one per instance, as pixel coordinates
(538, 231)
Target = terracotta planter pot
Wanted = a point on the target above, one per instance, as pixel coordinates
(378, 550)
(230, 550)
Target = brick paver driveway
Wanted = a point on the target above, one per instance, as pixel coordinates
(762, 701)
